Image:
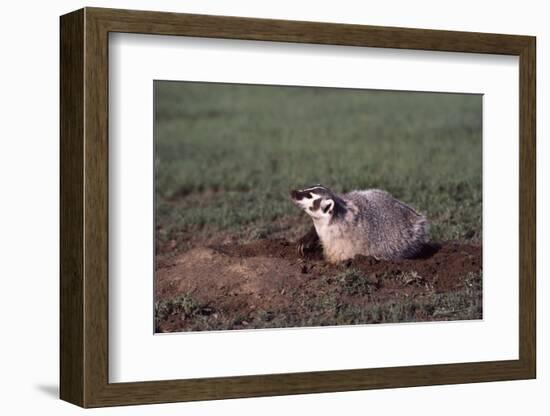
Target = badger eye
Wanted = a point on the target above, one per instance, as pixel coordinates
(309, 196)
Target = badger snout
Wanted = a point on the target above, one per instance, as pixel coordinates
(295, 195)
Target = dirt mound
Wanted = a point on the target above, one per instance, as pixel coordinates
(442, 264)
(266, 283)
(276, 248)
(444, 269)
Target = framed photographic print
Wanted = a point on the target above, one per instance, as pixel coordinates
(255, 207)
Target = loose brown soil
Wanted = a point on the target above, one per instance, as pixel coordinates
(266, 283)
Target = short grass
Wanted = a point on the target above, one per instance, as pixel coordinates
(351, 300)
(227, 155)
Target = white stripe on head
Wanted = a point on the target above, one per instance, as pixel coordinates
(316, 187)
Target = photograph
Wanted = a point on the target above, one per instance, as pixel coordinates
(294, 206)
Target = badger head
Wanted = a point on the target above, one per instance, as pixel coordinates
(317, 201)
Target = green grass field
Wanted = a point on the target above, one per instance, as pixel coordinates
(226, 155)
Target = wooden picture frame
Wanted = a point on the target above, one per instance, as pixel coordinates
(84, 207)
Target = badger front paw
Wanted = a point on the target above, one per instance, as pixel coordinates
(309, 243)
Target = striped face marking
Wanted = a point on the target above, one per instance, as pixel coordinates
(315, 201)
(316, 204)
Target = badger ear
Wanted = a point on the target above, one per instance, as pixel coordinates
(327, 205)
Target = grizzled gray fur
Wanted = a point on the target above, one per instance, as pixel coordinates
(370, 222)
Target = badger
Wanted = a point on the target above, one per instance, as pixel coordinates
(364, 222)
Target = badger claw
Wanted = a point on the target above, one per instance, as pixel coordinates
(308, 242)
